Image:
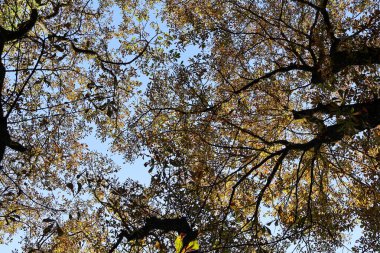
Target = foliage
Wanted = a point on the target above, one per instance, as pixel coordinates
(260, 123)
(67, 70)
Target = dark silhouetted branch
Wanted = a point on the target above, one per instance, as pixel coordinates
(178, 225)
(23, 28)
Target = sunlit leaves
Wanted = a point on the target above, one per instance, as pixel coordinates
(229, 112)
(258, 120)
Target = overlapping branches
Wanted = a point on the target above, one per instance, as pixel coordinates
(179, 225)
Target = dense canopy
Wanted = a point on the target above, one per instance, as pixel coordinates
(259, 123)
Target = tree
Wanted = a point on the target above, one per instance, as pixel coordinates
(269, 134)
(66, 68)
(266, 136)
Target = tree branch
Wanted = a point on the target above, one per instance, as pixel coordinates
(179, 225)
(268, 183)
(363, 56)
(6, 35)
(325, 15)
(334, 109)
(362, 116)
(97, 55)
(274, 72)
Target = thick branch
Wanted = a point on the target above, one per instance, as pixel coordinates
(334, 109)
(362, 116)
(178, 225)
(6, 35)
(6, 141)
(363, 56)
(2, 78)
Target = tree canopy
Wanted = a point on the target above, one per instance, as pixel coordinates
(258, 121)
